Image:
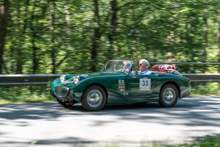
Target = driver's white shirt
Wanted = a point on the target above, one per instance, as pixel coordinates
(146, 72)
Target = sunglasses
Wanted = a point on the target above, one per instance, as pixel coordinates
(126, 64)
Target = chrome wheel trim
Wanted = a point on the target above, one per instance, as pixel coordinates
(169, 95)
(94, 98)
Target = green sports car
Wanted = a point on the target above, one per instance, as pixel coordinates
(114, 85)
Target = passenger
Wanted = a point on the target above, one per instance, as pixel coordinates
(126, 66)
(143, 66)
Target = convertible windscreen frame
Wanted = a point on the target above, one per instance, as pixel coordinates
(103, 69)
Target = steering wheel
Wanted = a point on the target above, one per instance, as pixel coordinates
(115, 69)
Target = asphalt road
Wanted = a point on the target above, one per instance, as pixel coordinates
(49, 124)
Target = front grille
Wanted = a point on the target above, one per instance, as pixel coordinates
(61, 91)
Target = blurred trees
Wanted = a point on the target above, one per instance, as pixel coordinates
(55, 36)
(4, 19)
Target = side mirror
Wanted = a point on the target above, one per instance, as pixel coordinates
(136, 72)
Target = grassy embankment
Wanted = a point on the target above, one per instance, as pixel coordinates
(208, 141)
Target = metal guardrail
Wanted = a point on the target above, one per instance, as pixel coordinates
(44, 79)
(196, 63)
(26, 79)
(203, 77)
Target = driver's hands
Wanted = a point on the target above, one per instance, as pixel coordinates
(126, 70)
(132, 72)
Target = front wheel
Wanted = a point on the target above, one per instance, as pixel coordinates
(94, 98)
(168, 96)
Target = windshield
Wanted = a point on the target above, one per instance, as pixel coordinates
(117, 65)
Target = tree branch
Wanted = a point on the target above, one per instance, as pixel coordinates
(61, 61)
(96, 16)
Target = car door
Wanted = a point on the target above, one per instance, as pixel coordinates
(140, 88)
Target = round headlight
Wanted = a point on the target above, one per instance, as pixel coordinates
(76, 79)
(62, 78)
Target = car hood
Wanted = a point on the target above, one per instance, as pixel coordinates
(99, 74)
(69, 78)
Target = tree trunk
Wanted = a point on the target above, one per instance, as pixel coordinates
(135, 51)
(113, 29)
(19, 60)
(134, 41)
(4, 19)
(186, 33)
(25, 21)
(34, 35)
(205, 37)
(53, 52)
(187, 45)
(68, 20)
(97, 36)
(172, 54)
(219, 39)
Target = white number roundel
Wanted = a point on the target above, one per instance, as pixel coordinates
(145, 84)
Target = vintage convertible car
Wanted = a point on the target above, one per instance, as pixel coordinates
(113, 84)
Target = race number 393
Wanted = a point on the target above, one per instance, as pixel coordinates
(145, 84)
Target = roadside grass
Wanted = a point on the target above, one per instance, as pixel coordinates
(207, 141)
(37, 94)
(24, 94)
(210, 88)
(26, 99)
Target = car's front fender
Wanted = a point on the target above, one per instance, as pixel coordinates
(80, 87)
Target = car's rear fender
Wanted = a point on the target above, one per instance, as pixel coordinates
(175, 84)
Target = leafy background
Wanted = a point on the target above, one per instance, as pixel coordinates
(79, 36)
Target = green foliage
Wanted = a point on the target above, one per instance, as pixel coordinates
(79, 36)
(73, 36)
(24, 94)
(207, 141)
(205, 89)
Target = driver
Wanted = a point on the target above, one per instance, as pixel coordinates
(126, 66)
(143, 66)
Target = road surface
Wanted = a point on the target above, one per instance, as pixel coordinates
(50, 124)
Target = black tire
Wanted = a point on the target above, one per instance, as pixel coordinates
(94, 98)
(169, 96)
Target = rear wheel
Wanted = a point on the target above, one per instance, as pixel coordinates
(94, 98)
(168, 95)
